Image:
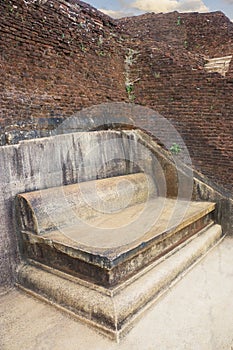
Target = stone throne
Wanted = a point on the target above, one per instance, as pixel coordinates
(113, 226)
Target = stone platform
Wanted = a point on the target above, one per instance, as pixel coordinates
(113, 311)
(194, 314)
(110, 256)
(108, 266)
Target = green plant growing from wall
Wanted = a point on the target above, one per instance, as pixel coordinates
(175, 148)
(178, 21)
(132, 98)
(100, 41)
(185, 44)
(157, 75)
(101, 53)
(82, 47)
(130, 59)
(81, 25)
(129, 89)
(11, 8)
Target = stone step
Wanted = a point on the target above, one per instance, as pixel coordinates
(113, 311)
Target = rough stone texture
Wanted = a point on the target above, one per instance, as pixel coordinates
(115, 310)
(91, 202)
(28, 166)
(111, 248)
(195, 314)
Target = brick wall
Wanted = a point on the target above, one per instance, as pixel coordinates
(170, 75)
(57, 57)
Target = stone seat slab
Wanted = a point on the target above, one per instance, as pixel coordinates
(106, 252)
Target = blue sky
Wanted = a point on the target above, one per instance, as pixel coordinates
(119, 8)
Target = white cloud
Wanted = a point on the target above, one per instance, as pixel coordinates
(155, 6)
(193, 5)
(141, 6)
(170, 5)
(117, 14)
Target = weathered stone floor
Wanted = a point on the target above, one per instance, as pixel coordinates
(196, 314)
